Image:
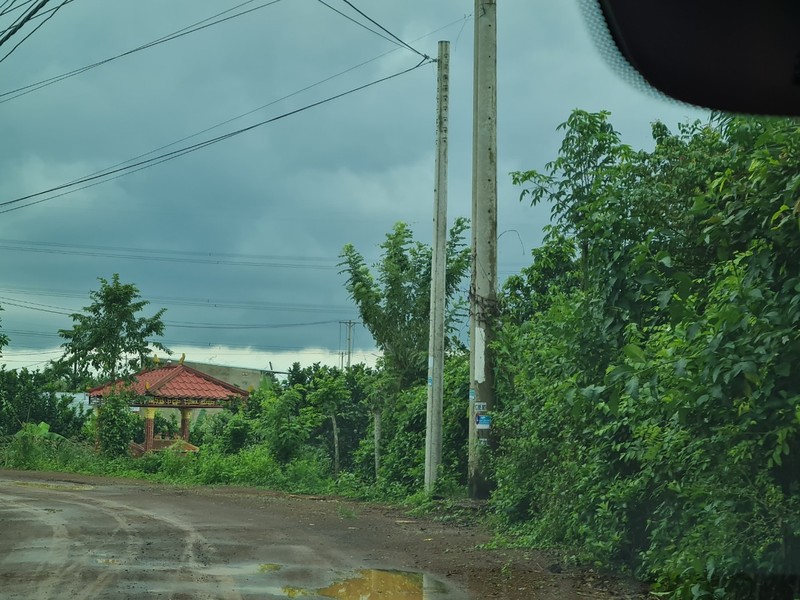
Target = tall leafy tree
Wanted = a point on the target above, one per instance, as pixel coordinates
(394, 303)
(111, 337)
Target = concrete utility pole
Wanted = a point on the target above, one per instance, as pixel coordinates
(433, 436)
(349, 344)
(483, 290)
(350, 325)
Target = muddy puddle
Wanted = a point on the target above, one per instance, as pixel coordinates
(64, 486)
(270, 580)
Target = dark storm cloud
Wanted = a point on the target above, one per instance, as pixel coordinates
(294, 191)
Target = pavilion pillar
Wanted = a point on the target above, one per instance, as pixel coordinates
(186, 418)
(149, 427)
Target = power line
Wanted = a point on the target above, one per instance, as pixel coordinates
(4, 4)
(35, 29)
(42, 353)
(174, 342)
(194, 302)
(107, 170)
(173, 259)
(163, 251)
(20, 22)
(39, 15)
(12, 8)
(382, 28)
(245, 114)
(17, 19)
(272, 102)
(56, 312)
(231, 326)
(351, 19)
(127, 170)
(189, 29)
(60, 310)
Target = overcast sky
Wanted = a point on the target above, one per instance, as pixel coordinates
(240, 240)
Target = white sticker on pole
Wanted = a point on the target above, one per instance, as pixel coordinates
(480, 354)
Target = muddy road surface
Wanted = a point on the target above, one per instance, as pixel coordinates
(76, 537)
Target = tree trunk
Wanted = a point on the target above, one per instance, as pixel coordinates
(335, 446)
(376, 428)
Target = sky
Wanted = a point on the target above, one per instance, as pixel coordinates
(240, 240)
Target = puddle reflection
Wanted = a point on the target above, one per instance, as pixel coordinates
(373, 584)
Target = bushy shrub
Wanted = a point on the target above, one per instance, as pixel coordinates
(116, 425)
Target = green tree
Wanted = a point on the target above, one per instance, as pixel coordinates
(116, 425)
(330, 395)
(394, 304)
(287, 421)
(24, 398)
(110, 337)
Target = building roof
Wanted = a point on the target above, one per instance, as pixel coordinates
(173, 382)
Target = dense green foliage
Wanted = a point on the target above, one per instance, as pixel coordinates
(25, 398)
(115, 425)
(650, 400)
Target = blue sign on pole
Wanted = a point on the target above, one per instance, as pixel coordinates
(483, 421)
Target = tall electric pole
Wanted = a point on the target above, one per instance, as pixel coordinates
(350, 325)
(433, 435)
(349, 351)
(483, 290)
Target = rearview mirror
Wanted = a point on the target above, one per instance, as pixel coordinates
(725, 54)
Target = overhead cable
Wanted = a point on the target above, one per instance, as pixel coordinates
(173, 259)
(382, 28)
(273, 102)
(189, 29)
(194, 344)
(351, 19)
(13, 7)
(34, 30)
(242, 115)
(162, 251)
(60, 310)
(20, 22)
(144, 164)
(197, 302)
(38, 15)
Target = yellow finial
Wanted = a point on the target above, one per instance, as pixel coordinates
(156, 360)
(183, 357)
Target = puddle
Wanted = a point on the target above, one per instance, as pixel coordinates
(56, 485)
(305, 582)
(375, 584)
(371, 583)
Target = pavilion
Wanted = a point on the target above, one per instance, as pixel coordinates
(171, 386)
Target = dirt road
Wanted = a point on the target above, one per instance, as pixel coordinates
(76, 537)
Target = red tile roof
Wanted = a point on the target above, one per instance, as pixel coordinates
(175, 382)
